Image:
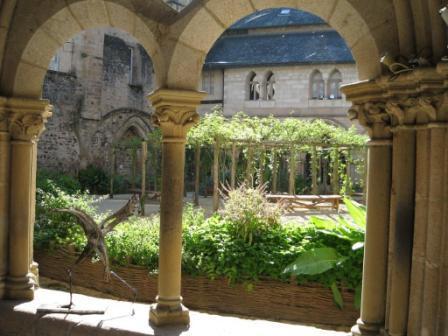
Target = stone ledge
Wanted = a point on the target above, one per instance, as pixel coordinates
(18, 318)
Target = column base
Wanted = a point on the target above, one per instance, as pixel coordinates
(362, 328)
(21, 288)
(34, 269)
(164, 315)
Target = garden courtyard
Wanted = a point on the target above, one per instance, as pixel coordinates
(237, 261)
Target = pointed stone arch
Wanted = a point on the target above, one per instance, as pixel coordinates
(136, 123)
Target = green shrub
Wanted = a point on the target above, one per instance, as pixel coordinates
(217, 246)
(59, 229)
(95, 180)
(249, 212)
(135, 242)
(47, 180)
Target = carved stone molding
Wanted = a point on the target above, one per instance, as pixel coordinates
(414, 99)
(26, 118)
(175, 112)
(373, 117)
(413, 110)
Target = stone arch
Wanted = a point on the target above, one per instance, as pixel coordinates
(334, 82)
(269, 86)
(136, 123)
(316, 85)
(253, 86)
(26, 67)
(368, 28)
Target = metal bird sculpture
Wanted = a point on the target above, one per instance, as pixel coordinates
(96, 233)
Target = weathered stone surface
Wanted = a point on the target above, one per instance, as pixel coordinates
(98, 96)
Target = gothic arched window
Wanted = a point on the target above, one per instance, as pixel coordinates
(334, 85)
(254, 87)
(270, 86)
(317, 85)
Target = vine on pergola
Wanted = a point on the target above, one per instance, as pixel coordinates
(262, 142)
(262, 139)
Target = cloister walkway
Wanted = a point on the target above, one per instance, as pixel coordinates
(21, 319)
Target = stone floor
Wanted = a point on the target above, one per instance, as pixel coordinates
(21, 319)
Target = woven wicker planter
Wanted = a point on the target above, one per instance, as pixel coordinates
(310, 304)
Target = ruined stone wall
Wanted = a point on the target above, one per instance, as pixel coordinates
(102, 95)
(58, 148)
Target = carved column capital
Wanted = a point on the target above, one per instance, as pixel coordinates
(413, 100)
(175, 112)
(413, 110)
(26, 118)
(373, 117)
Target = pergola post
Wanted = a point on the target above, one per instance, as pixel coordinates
(249, 165)
(143, 182)
(216, 176)
(314, 171)
(175, 112)
(197, 173)
(233, 167)
(26, 119)
(292, 171)
(4, 192)
(335, 172)
(262, 165)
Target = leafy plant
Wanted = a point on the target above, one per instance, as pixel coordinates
(94, 180)
(250, 212)
(215, 246)
(323, 259)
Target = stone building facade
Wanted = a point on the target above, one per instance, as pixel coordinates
(280, 62)
(97, 83)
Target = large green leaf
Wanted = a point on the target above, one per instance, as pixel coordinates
(357, 212)
(323, 223)
(337, 296)
(315, 261)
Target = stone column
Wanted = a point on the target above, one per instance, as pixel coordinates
(373, 302)
(175, 112)
(4, 191)
(414, 107)
(26, 120)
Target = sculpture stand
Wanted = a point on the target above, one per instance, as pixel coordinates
(71, 307)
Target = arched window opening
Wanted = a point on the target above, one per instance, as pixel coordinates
(317, 85)
(334, 85)
(270, 86)
(254, 88)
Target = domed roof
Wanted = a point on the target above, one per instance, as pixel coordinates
(277, 17)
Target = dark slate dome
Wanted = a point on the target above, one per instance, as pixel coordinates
(323, 47)
(238, 48)
(278, 17)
